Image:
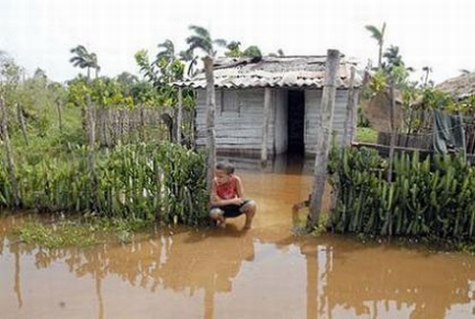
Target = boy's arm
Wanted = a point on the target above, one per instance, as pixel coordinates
(218, 201)
(239, 187)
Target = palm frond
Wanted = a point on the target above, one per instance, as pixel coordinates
(200, 31)
(220, 42)
(200, 43)
(375, 33)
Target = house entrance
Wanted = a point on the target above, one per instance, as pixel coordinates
(296, 122)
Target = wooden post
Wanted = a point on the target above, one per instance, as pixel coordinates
(8, 152)
(210, 129)
(392, 130)
(350, 122)
(323, 136)
(92, 141)
(392, 145)
(91, 131)
(265, 126)
(179, 115)
(21, 119)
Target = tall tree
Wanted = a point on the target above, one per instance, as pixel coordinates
(201, 39)
(378, 35)
(234, 49)
(83, 59)
(253, 52)
(167, 52)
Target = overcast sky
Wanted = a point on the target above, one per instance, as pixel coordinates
(40, 33)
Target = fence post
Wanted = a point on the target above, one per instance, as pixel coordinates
(323, 136)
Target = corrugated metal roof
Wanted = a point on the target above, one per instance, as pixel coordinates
(290, 71)
(459, 87)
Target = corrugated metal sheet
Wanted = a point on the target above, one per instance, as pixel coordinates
(301, 72)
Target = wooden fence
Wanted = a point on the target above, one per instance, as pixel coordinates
(141, 124)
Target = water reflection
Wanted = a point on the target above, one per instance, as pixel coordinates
(266, 272)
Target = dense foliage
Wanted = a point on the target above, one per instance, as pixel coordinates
(145, 182)
(432, 199)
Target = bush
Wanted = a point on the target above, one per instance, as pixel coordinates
(432, 200)
(163, 181)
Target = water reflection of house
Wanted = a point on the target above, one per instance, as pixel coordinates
(294, 85)
(340, 277)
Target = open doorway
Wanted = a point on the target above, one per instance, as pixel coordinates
(296, 122)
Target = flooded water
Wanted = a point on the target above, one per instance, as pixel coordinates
(263, 273)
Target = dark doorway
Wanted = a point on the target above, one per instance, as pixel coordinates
(296, 122)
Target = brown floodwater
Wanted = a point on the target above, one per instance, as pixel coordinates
(212, 273)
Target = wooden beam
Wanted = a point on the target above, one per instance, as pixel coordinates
(265, 126)
(350, 111)
(323, 136)
(210, 115)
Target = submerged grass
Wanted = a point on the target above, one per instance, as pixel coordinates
(81, 232)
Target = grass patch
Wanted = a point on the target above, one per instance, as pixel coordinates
(300, 219)
(366, 135)
(84, 232)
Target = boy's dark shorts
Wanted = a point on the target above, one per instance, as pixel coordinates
(231, 211)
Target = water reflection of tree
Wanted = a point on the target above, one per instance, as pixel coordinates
(343, 276)
(162, 261)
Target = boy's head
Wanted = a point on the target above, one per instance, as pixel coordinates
(223, 171)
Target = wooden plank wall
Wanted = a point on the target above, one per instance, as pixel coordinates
(239, 119)
(313, 99)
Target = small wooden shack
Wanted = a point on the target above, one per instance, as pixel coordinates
(293, 85)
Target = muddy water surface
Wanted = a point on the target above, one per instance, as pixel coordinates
(263, 273)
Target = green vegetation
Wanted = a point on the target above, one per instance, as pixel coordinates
(79, 232)
(366, 135)
(429, 200)
(147, 182)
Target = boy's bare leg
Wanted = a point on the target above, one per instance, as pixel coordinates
(250, 212)
(216, 214)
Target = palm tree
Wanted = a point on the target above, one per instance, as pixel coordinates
(378, 35)
(201, 39)
(253, 52)
(234, 50)
(192, 60)
(280, 53)
(167, 52)
(427, 71)
(393, 60)
(84, 60)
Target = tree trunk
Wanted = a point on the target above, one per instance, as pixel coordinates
(179, 115)
(8, 152)
(380, 57)
(265, 126)
(323, 136)
(350, 111)
(210, 129)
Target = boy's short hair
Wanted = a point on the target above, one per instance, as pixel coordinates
(225, 166)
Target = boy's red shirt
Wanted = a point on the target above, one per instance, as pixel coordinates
(227, 190)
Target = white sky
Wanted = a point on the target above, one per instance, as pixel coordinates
(40, 33)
